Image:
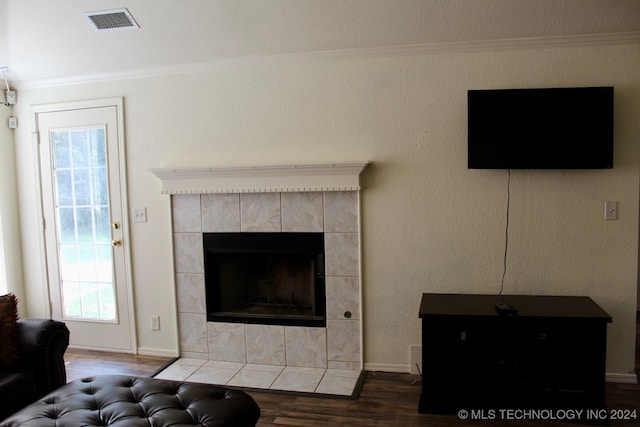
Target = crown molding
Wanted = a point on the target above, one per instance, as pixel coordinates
(261, 179)
(440, 48)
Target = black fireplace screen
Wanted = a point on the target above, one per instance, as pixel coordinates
(267, 278)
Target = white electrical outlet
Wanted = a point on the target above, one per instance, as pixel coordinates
(415, 357)
(155, 322)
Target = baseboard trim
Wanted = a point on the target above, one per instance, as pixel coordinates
(621, 378)
(405, 369)
(106, 350)
(387, 367)
(145, 351)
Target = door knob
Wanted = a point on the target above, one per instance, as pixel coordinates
(116, 242)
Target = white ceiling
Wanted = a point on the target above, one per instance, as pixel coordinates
(45, 39)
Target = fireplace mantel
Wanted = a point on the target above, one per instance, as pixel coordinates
(261, 179)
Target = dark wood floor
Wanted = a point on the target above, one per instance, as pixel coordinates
(386, 399)
(83, 363)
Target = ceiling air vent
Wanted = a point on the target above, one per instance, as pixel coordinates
(115, 19)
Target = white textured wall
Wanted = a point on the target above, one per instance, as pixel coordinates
(11, 271)
(429, 223)
(11, 264)
(9, 235)
(4, 35)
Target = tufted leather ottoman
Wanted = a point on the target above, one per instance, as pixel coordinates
(114, 400)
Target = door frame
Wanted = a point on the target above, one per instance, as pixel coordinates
(117, 102)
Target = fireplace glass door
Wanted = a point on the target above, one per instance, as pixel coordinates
(267, 278)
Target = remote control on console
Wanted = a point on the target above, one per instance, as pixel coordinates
(506, 309)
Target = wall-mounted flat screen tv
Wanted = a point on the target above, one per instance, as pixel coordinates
(555, 128)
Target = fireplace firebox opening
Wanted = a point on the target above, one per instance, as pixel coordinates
(265, 278)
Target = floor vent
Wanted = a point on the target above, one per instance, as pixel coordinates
(115, 19)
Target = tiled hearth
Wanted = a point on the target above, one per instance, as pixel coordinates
(294, 358)
(340, 382)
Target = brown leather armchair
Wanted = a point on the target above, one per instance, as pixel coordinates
(40, 369)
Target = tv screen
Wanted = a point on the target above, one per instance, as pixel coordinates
(559, 128)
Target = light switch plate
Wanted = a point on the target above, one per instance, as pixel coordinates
(139, 214)
(610, 211)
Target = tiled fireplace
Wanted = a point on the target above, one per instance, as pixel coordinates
(331, 209)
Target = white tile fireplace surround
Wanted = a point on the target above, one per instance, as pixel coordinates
(312, 198)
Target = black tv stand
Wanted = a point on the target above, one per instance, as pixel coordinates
(550, 354)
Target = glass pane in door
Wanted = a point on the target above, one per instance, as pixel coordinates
(83, 224)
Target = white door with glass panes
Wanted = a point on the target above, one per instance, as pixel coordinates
(86, 240)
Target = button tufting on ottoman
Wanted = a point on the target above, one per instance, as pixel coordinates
(114, 400)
